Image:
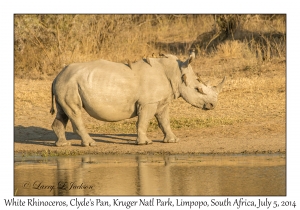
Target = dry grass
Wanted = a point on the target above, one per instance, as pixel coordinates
(44, 44)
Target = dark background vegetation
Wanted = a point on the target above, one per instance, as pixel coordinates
(44, 44)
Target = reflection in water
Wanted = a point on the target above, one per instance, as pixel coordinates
(151, 175)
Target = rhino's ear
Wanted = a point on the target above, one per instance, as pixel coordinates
(190, 60)
(192, 57)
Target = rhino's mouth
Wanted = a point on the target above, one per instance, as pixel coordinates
(208, 106)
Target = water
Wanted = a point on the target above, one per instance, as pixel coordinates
(151, 175)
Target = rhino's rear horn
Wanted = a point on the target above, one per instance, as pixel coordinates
(200, 80)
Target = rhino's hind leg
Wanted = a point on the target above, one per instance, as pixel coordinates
(145, 113)
(163, 120)
(72, 106)
(59, 127)
(79, 128)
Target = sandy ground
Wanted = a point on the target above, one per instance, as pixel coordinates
(238, 140)
(33, 133)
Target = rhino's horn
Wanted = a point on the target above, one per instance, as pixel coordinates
(200, 80)
(220, 86)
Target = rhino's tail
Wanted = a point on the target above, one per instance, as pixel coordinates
(52, 110)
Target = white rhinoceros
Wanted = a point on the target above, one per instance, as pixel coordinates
(111, 91)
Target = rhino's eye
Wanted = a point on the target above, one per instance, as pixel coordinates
(199, 90)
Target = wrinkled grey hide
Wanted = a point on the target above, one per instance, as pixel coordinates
(111, 91)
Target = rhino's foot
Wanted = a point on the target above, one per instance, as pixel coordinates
(62, 143)
(143, 142)
(91, 143)
(172, 139)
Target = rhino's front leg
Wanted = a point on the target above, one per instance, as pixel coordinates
(163, 119)
(145, 113)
